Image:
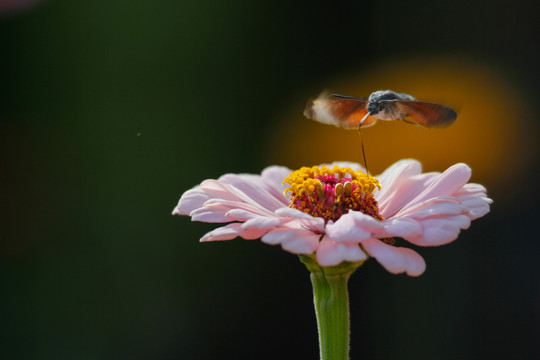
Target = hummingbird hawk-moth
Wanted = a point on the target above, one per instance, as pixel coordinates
(351, 112)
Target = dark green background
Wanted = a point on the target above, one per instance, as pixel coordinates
(109, 110)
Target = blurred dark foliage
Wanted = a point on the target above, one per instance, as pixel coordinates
(109, 110)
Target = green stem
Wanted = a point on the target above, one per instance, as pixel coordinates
(332, 308)
(331, 299)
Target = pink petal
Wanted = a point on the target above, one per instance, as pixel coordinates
(478, 206)
(297, 241)
(314, 225)
(226, 205)
(400, 183)
(227, 232)
(220, 190)
(397, 171)
(473, 196)
(440, 206)
(400, 227)
(294, 213)
(230, 231)
(356, 227)
(395, 259)
(218, 210)
(352, 227)
(440, 231)
(262, 222)
(332, 253)
(210, 215)
(273, 177)
(190, 200)
(253, 187)
(445, 184)
(302, 220)
(240, 215)
(471, 189)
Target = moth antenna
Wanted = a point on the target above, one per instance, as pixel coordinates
(362, 141)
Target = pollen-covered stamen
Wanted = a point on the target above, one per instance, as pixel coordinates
(338, 189)
(331, 193)
(348, 188)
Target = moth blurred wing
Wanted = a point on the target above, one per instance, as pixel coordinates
(337, 110)
(427, 114)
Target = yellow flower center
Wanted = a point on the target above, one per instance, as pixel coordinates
(331, 193)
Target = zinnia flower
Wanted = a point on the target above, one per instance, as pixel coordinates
(336, 213)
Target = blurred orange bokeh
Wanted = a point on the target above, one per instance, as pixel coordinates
(494, 132)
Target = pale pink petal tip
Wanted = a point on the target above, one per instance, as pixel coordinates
(190, 200)
(231, 231)
(332, 253)
(297, 241)
(353, 226)
(395, 259)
